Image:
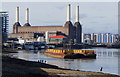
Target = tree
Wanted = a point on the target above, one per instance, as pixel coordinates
(118, 38)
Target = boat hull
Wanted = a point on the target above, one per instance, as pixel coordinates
(60, 56)
(78, 56)
(70, 56)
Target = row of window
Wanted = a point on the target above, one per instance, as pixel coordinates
(31, 32)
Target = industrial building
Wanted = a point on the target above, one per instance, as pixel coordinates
(27, 31)
(4, 26)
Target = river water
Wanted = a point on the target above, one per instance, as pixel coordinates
(106, 58)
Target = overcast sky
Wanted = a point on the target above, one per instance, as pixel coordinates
(95, 17)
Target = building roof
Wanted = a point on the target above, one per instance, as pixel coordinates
(17, 24)
(3, 12)
(26, 24)
(58, 36)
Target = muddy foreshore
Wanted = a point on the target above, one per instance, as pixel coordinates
(14, 67)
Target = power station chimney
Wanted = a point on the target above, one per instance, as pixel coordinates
(17, 14)
(78, 28)
(17, 24)
(68, 13)
(27, 15)
(27, 18)
(77, 13)
(69, 28)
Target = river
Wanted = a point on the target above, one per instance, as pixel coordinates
(106, 58)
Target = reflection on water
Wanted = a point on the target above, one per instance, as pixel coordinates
(106, 58)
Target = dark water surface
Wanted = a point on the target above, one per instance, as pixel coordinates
(106, 58)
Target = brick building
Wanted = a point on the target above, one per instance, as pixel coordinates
(73, 32)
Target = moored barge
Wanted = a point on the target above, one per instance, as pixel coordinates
(70, 54)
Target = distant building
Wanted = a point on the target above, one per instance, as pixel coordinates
(4, 25)
(100, 37)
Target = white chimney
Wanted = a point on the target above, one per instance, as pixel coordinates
(27, 15)
(77, 13)
(17, 14)
(68, 13)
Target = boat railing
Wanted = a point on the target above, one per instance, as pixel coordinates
(70, 51)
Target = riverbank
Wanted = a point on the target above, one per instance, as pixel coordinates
(13, 67)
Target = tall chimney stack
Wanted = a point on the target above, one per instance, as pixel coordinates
(68, 13)
(27, 15)
(77, 13)
(78, 27)
(17, 14)
(16, 24)
(27, 18)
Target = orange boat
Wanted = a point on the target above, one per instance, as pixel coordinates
(70, 54)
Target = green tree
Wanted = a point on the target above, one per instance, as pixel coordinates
(118, 38)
